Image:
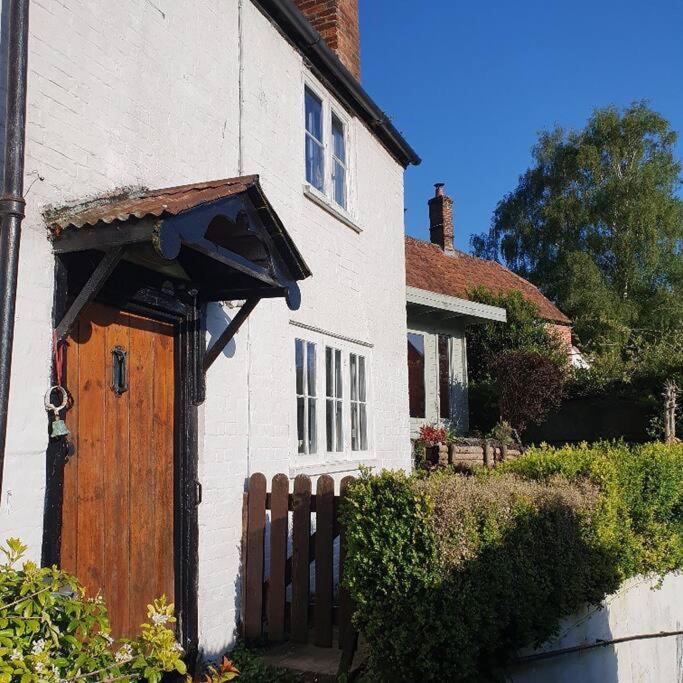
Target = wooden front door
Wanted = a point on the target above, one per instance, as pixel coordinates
(117, 512)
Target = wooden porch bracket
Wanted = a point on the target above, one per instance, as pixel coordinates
(229, 332)
(90, 290)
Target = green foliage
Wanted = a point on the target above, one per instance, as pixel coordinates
(529, 386)
(451, 574)
(597, 225)
(637, 373)
(254, 670)
(50, 632)
(523, 331)
(512, 367)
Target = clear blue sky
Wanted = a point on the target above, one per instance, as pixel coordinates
(470, 84)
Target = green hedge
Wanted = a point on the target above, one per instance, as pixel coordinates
(451, 574)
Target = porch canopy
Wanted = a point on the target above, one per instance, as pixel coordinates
(435, 308)
(222, 239)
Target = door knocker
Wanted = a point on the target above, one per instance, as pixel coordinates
(59, 427)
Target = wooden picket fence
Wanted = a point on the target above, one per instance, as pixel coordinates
(308, 616)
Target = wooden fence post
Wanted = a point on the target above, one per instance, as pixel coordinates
(324, 553)
(301, 532)
(256, 526)
(279, 528)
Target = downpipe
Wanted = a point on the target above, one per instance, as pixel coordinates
(12, 200)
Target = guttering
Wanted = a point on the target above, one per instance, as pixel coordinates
(12, 199)
(299, 30)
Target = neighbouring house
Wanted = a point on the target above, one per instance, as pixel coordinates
(439, 280)
(214, 229)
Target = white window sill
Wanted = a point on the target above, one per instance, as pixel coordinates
(323, 202)
(332, 467)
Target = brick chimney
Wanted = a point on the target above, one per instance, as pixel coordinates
(441, 219)
(337, 22)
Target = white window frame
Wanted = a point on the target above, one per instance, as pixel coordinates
(323, 460)
(326, 195)
(359, 402)
(334, 160)
(320, 143)
(309, 444)
(335, 399)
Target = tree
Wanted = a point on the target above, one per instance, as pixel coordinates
(529, 386)
(516, 369)
(597, 225)
(524, 330)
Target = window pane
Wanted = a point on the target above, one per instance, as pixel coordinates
(300, 428)
(312, 427)
(299, 356)
(314, 115)
(315, 168)
(354, 426)
(338, 145)
(340, 437)
(339, 183)
(310, 373)
(363, 428)
(329, 373)
(361, 378)
(337, 374)
(444, 379)
(416, 374)
(354, 378)
(330, 424)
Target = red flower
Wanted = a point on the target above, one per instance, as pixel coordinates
(432, 436)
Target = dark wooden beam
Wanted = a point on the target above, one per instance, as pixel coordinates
(103, 237)
(230, 331)
(90, 289)
(233, 260)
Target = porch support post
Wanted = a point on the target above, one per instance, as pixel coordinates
(12, 200)
(90, 289)
(230, 332)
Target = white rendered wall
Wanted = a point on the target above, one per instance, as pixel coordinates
(638, 608)
(146, 93)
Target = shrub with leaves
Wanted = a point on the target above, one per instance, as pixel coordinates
(452, 574)
(529, 385)
(51, 632)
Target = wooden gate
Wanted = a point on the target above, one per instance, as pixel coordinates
(283, 606)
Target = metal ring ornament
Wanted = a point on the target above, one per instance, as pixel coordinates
(51, 406)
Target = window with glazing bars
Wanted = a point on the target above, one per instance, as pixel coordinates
(306, 424)
(333, 393)
(314, 148)
(359, 412)
(338, 162)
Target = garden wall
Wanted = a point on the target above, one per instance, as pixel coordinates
(638, 608)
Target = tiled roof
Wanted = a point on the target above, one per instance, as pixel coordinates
(428, 267)
(168, 201)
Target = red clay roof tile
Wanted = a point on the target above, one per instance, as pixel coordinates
(428, 267)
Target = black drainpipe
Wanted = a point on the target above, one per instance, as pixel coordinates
(12, 199)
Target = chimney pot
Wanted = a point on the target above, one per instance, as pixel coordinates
(441, 219)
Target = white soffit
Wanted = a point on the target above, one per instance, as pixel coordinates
(461, 307)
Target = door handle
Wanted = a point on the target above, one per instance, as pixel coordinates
(119, 370)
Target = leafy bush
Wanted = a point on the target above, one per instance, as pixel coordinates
(524, 330)
(529, 385)
(451, 574)
(51, 632)
(526, 335)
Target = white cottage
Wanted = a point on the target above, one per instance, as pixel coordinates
(199, 175)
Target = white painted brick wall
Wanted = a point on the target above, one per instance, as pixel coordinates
(145, 92)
